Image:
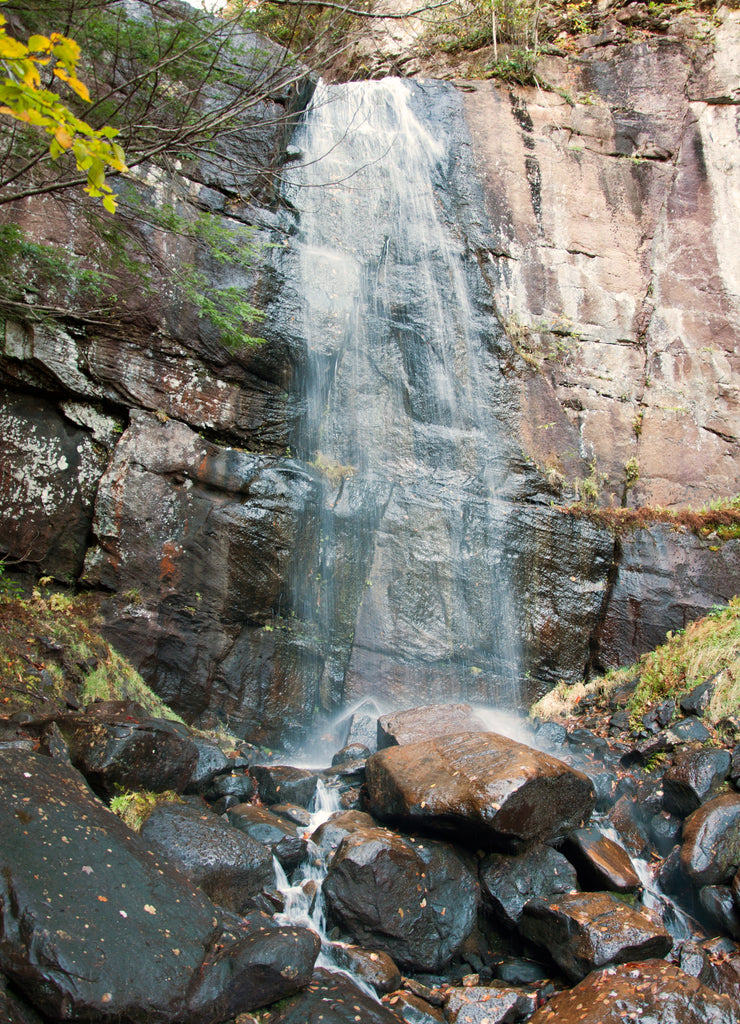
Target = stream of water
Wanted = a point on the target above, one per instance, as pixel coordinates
(406, 594)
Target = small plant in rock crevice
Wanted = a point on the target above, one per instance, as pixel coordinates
(133, 807)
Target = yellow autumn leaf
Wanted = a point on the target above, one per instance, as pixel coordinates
(63, 138)
(11, 49)
(38, 44)
(79, 87)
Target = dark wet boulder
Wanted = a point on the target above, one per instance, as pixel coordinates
(489, 1004)
(665, 831)
(719, 909)
(423, 723)
(211, 762)
(670, 877)
(696, 701)
(331, 998)
(229, 866)
(231, 788)
(628, 819)
(507, 882)
(271, 831)
(692, 778)
(414, 900)
(710, 851)
(551, 735)
(587, 930)
(13, 1009)
(722, 966)
(373, 966)
(95, 927)
(352, 752)
(480, 788)
(115, 749)
(279, 784)
(600, 862)
(330, 834)
(413, 1009)
(654, 991)
(292, 812)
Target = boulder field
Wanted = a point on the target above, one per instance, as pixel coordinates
(190, 921)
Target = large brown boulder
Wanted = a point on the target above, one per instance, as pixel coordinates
(414, 900)
(710, 851)
(654, 990)
(586, 930)
(403, 727)
(481, 788)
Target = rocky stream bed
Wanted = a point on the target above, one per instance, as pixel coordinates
(469, 877)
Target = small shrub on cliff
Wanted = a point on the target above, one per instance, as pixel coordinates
(50, 649)
(708, 648)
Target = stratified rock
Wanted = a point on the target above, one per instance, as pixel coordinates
(94, 927)
(692, 778)
(654, 990)
(115, 751)
(508, 883)
(480, 788)
(424, 723)
(600, 862)
(414, 900)
(710, 851)
(584, 931)
(331, 998)
(271, 831)
(373, 966)
(492, 1004)
(279, 784)
(229, 866)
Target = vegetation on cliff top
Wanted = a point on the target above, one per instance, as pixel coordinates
(706, 650)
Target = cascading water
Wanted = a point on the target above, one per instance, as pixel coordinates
(403, 591)
(303, 898)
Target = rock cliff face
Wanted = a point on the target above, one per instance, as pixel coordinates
(141, 458)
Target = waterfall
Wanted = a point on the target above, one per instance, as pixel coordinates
(403, 591)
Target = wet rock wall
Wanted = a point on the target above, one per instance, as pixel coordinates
(140, 458)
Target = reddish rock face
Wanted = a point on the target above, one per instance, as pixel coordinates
(482, 788)
(653, 989)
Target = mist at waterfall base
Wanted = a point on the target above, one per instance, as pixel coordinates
(401, 586)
